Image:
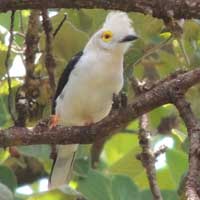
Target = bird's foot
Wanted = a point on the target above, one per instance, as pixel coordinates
(116, 101)
(53, 121)
(124, 99)
(119, 100)
(88, 122)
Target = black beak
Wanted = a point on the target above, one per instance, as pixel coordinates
(129, 38)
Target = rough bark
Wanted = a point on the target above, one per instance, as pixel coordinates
(193, 127)
(159, 95)
(158, 8)
(148, 158)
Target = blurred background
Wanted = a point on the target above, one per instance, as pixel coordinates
(118, 175)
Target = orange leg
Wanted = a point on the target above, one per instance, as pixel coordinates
(88, 122)
(54, 121)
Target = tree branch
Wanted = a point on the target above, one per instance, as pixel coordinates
(193, 127)
(117, 120)
(25, 93)
(148, 158)
(158, 8)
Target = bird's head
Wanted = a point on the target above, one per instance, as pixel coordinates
(115, 35)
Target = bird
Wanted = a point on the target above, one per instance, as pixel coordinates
(86, 87)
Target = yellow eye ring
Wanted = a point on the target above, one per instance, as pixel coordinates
(107, 36)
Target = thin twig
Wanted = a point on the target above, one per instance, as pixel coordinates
(60, 25)
(182, 47)
(148, 158)
(133, 80)
(176, 28)
(7, 64)
(162, 149)
(153, 50)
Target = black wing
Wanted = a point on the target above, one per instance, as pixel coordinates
(65, 77)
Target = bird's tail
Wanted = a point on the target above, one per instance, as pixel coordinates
(63, 164)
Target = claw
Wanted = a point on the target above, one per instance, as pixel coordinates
(88, 121)
(53, 121)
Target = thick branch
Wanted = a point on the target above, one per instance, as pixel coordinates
(117, 120)
(158, 8)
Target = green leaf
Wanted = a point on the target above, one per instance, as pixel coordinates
(119, 145)
(5, 20)
(95, 186)
(52, 195)
(20, 196)
(83, 151)
(147, 27)
(64, 192)
(5, 193)
(5, 118)
(87, 20)
(4, 154)
(3, 53)
(169, 195)
(162, 175)
(40, 152)
(156, 115)
(128, 165)
(185, 145)
(8, 178)
(37, 151)
(166, 194)
(124, 189)
(168, 62)
(177, 162)
(68, 41)
(191, 36)
(81, 166)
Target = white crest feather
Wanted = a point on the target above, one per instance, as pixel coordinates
(118, 22)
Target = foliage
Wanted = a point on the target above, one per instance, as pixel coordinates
(119, 175)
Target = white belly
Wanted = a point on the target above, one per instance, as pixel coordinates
(87, 97)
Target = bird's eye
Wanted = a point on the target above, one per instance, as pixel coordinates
(107, 36)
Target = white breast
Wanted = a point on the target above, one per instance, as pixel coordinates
(87, 97)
